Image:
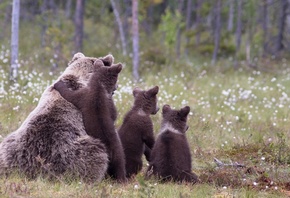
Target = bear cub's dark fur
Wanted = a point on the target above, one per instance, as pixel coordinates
(170, 156)
(136, 132)
(99, 113)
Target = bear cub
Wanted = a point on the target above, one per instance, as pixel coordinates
(170, 156)
(136, 132)
(99, 113)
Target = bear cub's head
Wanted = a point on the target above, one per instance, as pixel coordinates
(108, 75)
(175, 119)
(146, 101)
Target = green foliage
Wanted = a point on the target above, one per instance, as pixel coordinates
(205, 8)
(145, 189)
(227, 49)
(98, 10)
(3, 7)
(206, 46)
(169, 25)
(205, 49)
(279, 150)
(154, 59)
(250, 9)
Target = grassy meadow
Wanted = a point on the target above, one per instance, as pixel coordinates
(237, 116)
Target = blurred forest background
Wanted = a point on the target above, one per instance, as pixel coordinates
(227, 59)
(150, 33)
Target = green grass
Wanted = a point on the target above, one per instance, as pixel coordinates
(19, 187)
(236, 116)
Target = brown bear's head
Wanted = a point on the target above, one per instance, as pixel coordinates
(107, 60)
(146, 101)
(176, 119)
(80, 69)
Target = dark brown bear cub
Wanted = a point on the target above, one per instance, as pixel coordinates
(99, 112)
(170, 156)
(136, 132)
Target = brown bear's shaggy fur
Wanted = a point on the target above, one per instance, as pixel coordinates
(99, 112)
(53, 139)
(136, 132)
(170, 156)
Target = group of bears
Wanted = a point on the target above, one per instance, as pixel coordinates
(72, 130)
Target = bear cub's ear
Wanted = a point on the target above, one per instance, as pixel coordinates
(108, 60)
(98, 63)
(165, 108)
(116, 68)
(136, 91)
(184, 112)
(152, 92)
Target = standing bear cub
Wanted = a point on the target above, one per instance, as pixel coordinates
(99, 113)
(170, 156)
(136, 132)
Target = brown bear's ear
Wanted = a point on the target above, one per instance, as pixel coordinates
(116, 68)
(166, 108)
(152, 92)
(98, 63)
(76, 57)
(108, 60)
(184, 111)
(136, 90)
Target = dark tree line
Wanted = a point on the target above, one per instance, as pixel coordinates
(242, 29)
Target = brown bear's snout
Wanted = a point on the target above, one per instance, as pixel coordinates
(116, 87)
(156, 110)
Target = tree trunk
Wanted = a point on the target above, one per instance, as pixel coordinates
(135, 39)
(282, 24)
(120, 25)
(127, 15)
(238, 30)
(197, 21)
(217, 15)
(265, 21)
(148, 21)
(251, 14)
(52, 6)
(239, 26)
(14, 40)
(188, 22)
(79, 25)
(231, 15)
(178, 35)
(68, 8)
(248, 45)
(44, 14)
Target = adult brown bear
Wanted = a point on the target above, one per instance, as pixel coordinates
(53, 139)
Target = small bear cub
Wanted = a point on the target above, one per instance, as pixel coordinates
(170, 156)
(99, 113)
(136, 132)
